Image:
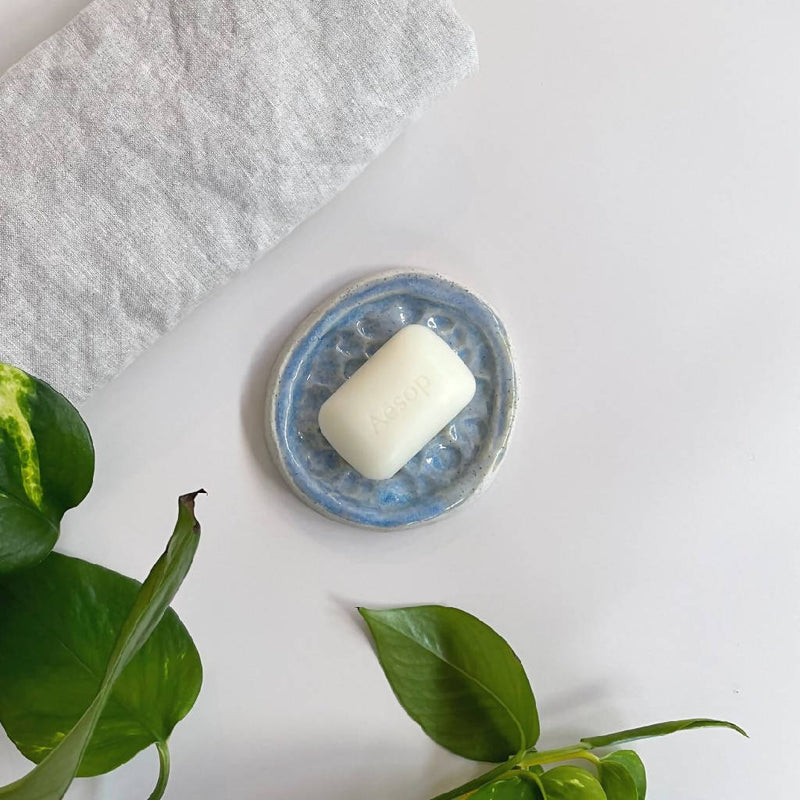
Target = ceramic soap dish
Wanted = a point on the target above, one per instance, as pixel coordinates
(333, 342)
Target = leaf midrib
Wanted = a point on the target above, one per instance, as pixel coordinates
(43, 625)
(480, 684)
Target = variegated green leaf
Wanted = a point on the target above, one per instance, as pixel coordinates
(622, 774)
(516, 787)
(571, 783)
(52, 777)
(46, 466)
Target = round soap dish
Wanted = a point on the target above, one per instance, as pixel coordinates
(333, 342)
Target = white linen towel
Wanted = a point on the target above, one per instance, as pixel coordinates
(153, 148)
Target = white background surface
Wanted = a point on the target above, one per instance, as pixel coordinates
(622, 183)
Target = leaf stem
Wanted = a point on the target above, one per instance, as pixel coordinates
(481, 780)
(515, 766)
(659, 729)
(533, 778)
(163, 773)
(525, 759)
(562, 754)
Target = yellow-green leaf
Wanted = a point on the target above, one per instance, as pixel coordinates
(59, 621)
(571, 783)
(50, 779)
(46, 466)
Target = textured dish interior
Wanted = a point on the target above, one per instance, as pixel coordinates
(453, 464)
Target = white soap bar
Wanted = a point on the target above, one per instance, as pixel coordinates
(388, 410)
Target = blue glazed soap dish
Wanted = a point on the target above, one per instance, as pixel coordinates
(333, 342)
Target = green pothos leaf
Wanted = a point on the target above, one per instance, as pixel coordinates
(466, 789)
(521, 787)
(46, 466)
(51, 778)
(59, 621)
(571, 783)
(658, 729)
(457, 678)
(619, 771)
(617, 782)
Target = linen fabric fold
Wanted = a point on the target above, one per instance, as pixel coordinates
(152, 148)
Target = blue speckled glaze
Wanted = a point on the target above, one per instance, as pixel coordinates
(334, 343)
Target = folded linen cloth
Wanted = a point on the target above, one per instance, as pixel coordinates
(153, 148)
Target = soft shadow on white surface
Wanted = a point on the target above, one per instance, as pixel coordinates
(337, 769)
(569, 715)
(305, 765)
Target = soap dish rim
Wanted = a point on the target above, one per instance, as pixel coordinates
(304, 327)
